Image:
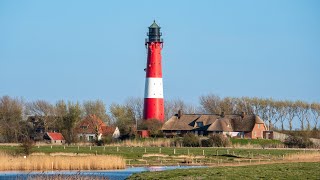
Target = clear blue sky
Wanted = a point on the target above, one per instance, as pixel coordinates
(86, 50)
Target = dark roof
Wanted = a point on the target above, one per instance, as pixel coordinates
(55, 136)
(213, 122)
(154, 25)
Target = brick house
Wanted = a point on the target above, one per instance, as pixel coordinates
(54, 138)
(92, 128)
(243, 126)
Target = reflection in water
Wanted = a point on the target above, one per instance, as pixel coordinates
(107, 174)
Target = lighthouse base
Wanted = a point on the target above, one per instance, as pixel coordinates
(154, 109)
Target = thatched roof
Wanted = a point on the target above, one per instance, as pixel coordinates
(185, 122)
(229, 123)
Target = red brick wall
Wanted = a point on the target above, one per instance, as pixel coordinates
(257, 131)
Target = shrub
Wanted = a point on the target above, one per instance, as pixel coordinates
(206, 143)
(153, 126)
(177, 142)
(296, 141)
(26, 146)
(219, 140)
(190, 140)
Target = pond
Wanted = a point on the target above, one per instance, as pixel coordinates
(108, 174)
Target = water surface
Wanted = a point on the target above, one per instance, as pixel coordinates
(110, 174)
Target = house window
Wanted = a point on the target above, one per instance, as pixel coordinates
(258, 126)
(200, 124)
(90, 138)
(178, 132)
(83, 127)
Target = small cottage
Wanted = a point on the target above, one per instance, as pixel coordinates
(54, 138)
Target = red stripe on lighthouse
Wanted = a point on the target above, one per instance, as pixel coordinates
(154, 108)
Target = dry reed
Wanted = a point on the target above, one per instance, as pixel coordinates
(145, 143)
(310, 156)
(99, 162)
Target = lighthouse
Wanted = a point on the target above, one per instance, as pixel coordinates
(153, 96)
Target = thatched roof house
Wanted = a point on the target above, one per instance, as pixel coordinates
(248, 126)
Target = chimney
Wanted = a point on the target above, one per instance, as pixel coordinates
(180, 113)
(243, 114)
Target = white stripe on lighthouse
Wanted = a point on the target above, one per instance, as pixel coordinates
(153, 88)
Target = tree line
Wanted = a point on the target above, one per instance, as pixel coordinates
(63, 116)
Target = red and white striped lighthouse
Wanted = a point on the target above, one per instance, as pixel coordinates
(153, 96)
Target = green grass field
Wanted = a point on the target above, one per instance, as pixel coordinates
(169, 155)
(269, 171)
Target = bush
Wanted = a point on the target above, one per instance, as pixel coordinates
(296, 141)
(190, 140)
(153, 126)
(206, 143)
(26, 146)
(177, 142)
(219, 140)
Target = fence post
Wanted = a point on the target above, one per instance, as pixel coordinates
(117, 149)
(174, 151)
(90, 148)
(51, 146)
(217, 153)
(188, 152)
(78, 148)
(159, 150)
(203, 152)
(145, 150)
(64, 147)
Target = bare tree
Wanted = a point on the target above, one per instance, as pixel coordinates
(72, 117)
(10, 117)
(282, 112)
(243, 105)
(227, 105)
(292, 112)
(123, 117)
(97, 108)
(136, 106)
(44, 110)
(269, 112)
(173, 106)
(315, 109)
(302, 110)
(258, 106)
(211, 104)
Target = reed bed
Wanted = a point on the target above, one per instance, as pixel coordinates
(145, 143)
(310, 156)
(46, 162)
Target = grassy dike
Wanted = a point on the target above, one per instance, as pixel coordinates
(306, 170)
